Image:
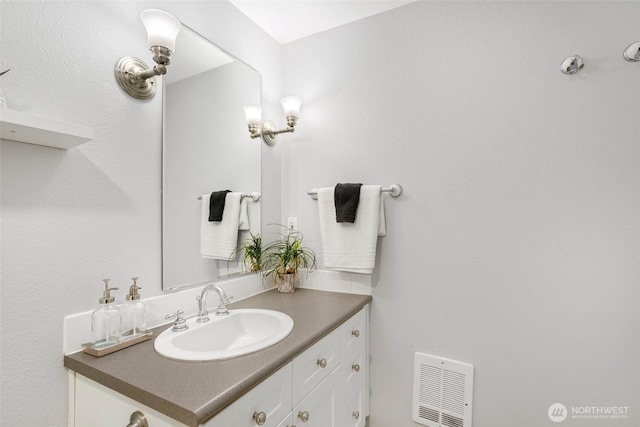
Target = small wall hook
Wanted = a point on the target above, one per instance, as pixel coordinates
(572, 65)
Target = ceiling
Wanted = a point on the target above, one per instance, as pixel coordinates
(289, 20)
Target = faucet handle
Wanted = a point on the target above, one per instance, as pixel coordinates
(222, 308)
(180, 324)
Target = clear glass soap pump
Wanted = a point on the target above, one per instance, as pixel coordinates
(133, 313)
(105, 321)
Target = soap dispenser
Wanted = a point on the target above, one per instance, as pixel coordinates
(105, 321)
(133, 313)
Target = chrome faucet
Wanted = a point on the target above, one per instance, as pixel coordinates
(203, 314)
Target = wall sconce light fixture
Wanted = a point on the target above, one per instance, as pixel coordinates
(133, 75)
(267, 130)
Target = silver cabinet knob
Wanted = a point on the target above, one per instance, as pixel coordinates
(355, 333)
(355, 367)
(322, 363)
(138, 419)
(356, 415)
(260, 418)
(304, 416)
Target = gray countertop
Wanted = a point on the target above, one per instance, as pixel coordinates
(193, 392)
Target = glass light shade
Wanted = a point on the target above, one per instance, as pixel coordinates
(291, 106)
(162, 28)
(254, 114)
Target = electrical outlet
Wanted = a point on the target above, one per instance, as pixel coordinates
(292, 223)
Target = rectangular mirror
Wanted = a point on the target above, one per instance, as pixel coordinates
(206, 148)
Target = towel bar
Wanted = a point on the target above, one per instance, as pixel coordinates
(394, 190)
(254, 196)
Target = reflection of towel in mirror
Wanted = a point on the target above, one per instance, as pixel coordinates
(244, 225)
(346, 198)
(216, 204)
(346, 246)
(218, 239)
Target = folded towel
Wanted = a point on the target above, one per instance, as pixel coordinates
(244, 215)
(352, 246)
(216, 204)
(346, 198)
(219, 238)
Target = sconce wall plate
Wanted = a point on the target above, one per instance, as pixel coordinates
(127, 71)
(572, 65)
(269, 135)
(632, 52)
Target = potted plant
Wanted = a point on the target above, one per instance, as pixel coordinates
(282, 258)
(251, 250)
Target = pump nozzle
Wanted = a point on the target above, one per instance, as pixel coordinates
(133, 290)
(106, 296)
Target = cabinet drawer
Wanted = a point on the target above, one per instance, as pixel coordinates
(271, 397)
(99, 406)
(354, 369)
(353, 334)
(314, 365)
(322, 406)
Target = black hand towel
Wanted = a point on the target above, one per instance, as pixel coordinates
(346, 198)
(216, 205)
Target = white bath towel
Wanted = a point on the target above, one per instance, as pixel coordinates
(219, 238)
(352, 246)
(243, 223)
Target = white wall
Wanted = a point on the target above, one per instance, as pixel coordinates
(515, 245)
(71, 218)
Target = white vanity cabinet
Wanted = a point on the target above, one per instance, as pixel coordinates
(325, 386)
(330, 384)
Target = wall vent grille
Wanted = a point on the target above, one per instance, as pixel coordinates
(442, 391)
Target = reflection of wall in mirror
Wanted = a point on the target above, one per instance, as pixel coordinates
(206, 148)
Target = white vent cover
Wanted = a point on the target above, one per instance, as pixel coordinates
(442, 391)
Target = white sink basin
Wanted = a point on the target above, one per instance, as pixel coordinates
(240, 332)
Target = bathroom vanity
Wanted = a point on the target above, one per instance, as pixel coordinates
(317, 376)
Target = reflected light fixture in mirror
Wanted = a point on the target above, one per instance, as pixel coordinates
(267, 130)
(132, 74)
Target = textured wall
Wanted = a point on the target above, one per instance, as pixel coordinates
(71, 218)
(515, 246)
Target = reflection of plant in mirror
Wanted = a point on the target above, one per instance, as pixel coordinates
(251, 250)
(286, 255)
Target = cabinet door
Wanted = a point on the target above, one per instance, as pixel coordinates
(354, 357)
(99, 406)
(354, 369)
(321, 407)
(353, 334)
(288, 421)
(314, 365)
(272, 398)
(354, 405)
